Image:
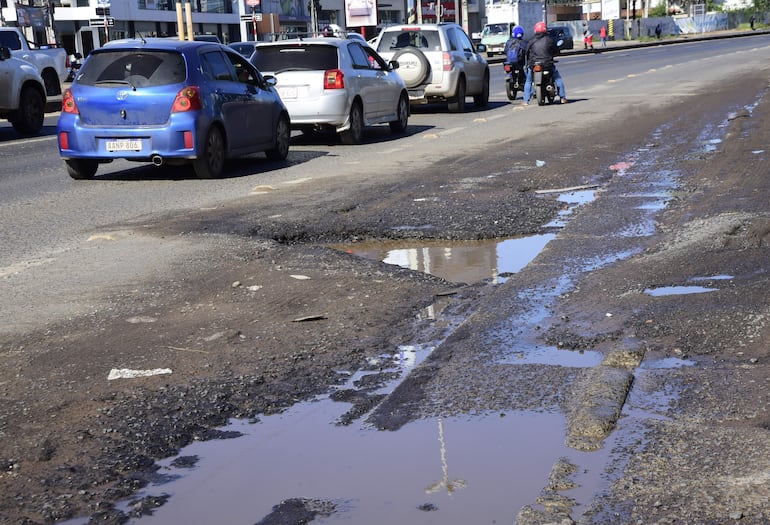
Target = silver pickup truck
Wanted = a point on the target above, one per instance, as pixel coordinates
(22, 93)
(51, 62)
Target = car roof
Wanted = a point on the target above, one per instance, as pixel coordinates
(160, 44)
(322, 40)
(401, 27)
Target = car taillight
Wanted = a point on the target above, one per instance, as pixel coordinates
(334, 79)
(507, 68)
(68, 103)
(538, 67)
(447, 62)
(188, 99)
(64, 140)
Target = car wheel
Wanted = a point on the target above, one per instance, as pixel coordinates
(414, 67)
(81, 169)
(355, 133)
(211, 163)
(402, 113)
(51, 81)
(457, 102)
(28, 119)
(482, 99)
(282, 139)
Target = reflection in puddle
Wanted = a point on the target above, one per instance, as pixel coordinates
(714, 278)
(479, 469)
(456, 261)
(677, 290)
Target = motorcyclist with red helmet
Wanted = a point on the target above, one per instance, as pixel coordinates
(542, 48)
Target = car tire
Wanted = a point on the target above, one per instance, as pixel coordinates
(81, 169)
(28, 118)
(402, 114)
(211, 162)
(355, 133)
(416, 76)
(456, 103)
(482, 99)
(282, 139)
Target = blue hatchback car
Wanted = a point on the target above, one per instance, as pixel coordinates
(169, 101)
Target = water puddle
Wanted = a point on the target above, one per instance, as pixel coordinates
(572, 199)
(551, 355)
(456, 261)
(449, 471)
(677, 290)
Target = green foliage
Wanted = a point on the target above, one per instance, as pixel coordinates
(658, 10)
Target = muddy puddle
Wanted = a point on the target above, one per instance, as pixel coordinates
(457, 261)
(450, 471)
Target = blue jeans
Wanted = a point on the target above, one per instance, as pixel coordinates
(556, 78)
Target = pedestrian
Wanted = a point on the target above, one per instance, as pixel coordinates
(588, 39)
(751, 21)
(658, 30)
(603, 35)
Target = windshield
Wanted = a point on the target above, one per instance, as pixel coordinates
(139, 68)
(495, 29)
(295, 57)
(412, 37)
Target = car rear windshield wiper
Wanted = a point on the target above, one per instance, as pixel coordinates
(115, 81)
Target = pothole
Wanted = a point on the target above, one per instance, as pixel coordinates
(456, 261)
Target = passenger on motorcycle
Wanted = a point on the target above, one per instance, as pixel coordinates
(516, 47)
(542, 48)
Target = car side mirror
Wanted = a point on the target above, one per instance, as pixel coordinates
(559, 43)
(5, 53)
(393, 64)
(481, 48)
(270, 80)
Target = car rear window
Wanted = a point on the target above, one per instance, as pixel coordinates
(295, 57)
(139, 68)
(427, 39)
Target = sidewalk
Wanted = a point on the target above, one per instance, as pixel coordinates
(674, 39)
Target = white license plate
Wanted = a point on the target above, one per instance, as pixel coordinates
(124, 145)
(287, 92)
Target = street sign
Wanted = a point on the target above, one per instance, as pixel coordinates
(103, 3)
(103, 11)
(251, 18)
(99, 22)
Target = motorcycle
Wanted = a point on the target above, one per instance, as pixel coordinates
(515, 76)
(75, 61)
(543, 83)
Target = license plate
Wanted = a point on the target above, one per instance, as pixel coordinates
(124, 145)
(287, 92)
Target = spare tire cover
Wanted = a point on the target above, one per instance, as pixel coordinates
(413, 66)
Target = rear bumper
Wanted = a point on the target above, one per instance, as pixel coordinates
(91, 142)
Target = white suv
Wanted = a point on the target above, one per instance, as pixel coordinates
(437, 62)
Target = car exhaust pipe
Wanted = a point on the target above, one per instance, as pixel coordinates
(157, 160)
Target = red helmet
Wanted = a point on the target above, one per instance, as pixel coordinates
(540, 27)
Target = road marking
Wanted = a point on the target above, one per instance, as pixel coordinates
(26, 141)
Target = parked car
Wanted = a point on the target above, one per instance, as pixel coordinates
(169, 101)
(22, 93)
(438, 62)
(563, 33)
(244, 48)
(335, 83)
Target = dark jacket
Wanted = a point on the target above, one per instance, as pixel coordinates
(542, 48)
